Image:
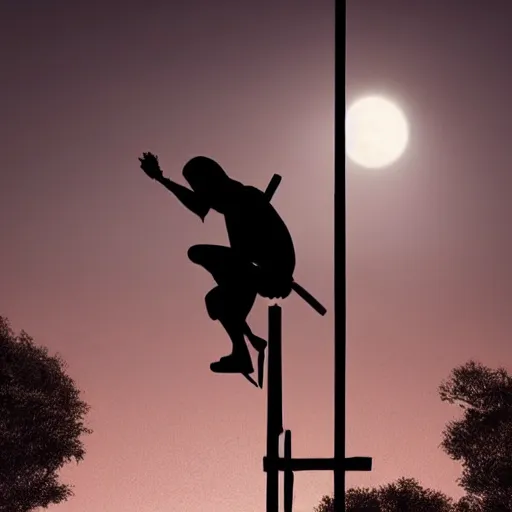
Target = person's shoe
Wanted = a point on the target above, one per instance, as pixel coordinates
(232, 364)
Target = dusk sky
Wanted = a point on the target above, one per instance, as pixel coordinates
(93, 260)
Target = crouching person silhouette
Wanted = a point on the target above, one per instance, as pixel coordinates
(260, 259)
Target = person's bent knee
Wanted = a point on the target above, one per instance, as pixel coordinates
(214, 302)
(195, 254)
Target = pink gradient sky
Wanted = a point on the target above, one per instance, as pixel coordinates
(93, 261)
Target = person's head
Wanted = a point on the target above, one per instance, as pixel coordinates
(208, 179)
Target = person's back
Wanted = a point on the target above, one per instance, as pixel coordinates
(258, 234)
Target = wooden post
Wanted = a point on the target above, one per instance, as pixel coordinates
(274, 407)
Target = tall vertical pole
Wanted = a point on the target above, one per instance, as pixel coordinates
(274, 406)
(339, 270)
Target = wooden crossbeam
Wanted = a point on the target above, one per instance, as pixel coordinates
(316, 464)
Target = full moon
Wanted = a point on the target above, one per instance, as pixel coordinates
(376, 132)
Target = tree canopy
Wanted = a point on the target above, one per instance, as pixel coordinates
(41, 423)
(482, 439)
(406, 494)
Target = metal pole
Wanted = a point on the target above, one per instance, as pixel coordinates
(339, 272)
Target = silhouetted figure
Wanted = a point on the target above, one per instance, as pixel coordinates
(261, 259)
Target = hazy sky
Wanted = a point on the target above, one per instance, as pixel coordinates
(93, 261)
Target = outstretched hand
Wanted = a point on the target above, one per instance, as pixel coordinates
(149, 164)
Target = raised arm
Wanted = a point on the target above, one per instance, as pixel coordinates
(188, 198)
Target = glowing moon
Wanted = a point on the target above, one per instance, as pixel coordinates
(376, 132)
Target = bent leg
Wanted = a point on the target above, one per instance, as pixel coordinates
(224, 266)
(231, 308)
(230, 302)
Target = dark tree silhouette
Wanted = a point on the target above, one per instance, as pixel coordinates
(326, 505)
(469, 503)
(482, 439)
(404, 495)
(41, 422)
